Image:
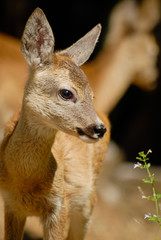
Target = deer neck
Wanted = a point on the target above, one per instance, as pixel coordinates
(29, 148)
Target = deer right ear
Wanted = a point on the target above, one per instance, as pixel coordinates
(37, 43)
(80, 51)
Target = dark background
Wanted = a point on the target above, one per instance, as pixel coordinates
(136, 121)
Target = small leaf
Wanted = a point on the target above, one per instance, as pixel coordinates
(158, 196)
(148, 165)
(155, 179)
(140, 159)
(142, 154)
(146, 180)
(152, 218)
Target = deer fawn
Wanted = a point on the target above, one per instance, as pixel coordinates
(43, 171)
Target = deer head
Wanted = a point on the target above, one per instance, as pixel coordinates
(57, 92)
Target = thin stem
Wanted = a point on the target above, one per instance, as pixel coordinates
(154, 192)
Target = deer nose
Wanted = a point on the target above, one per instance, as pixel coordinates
(93, 131)
(99, 130)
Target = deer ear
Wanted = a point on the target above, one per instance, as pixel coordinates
(80, 51)
(37, 43)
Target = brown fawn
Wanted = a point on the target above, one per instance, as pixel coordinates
(44, 171)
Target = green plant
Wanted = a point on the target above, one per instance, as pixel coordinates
(144, 164)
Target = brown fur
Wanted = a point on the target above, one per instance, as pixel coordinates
(58, 185)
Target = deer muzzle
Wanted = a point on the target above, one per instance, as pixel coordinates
(92, 133)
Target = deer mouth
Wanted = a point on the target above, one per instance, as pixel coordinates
(83, 134)
(87, 138)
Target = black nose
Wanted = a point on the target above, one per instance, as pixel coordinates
(99, 130)
(92, 131)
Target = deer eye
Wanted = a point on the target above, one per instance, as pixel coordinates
(66, 94)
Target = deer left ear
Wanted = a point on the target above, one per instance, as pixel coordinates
(80, 51)
(37, 43)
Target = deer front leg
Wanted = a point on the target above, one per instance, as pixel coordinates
(79, 225)
(56, 223)
(14, 225)
(80, 217)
